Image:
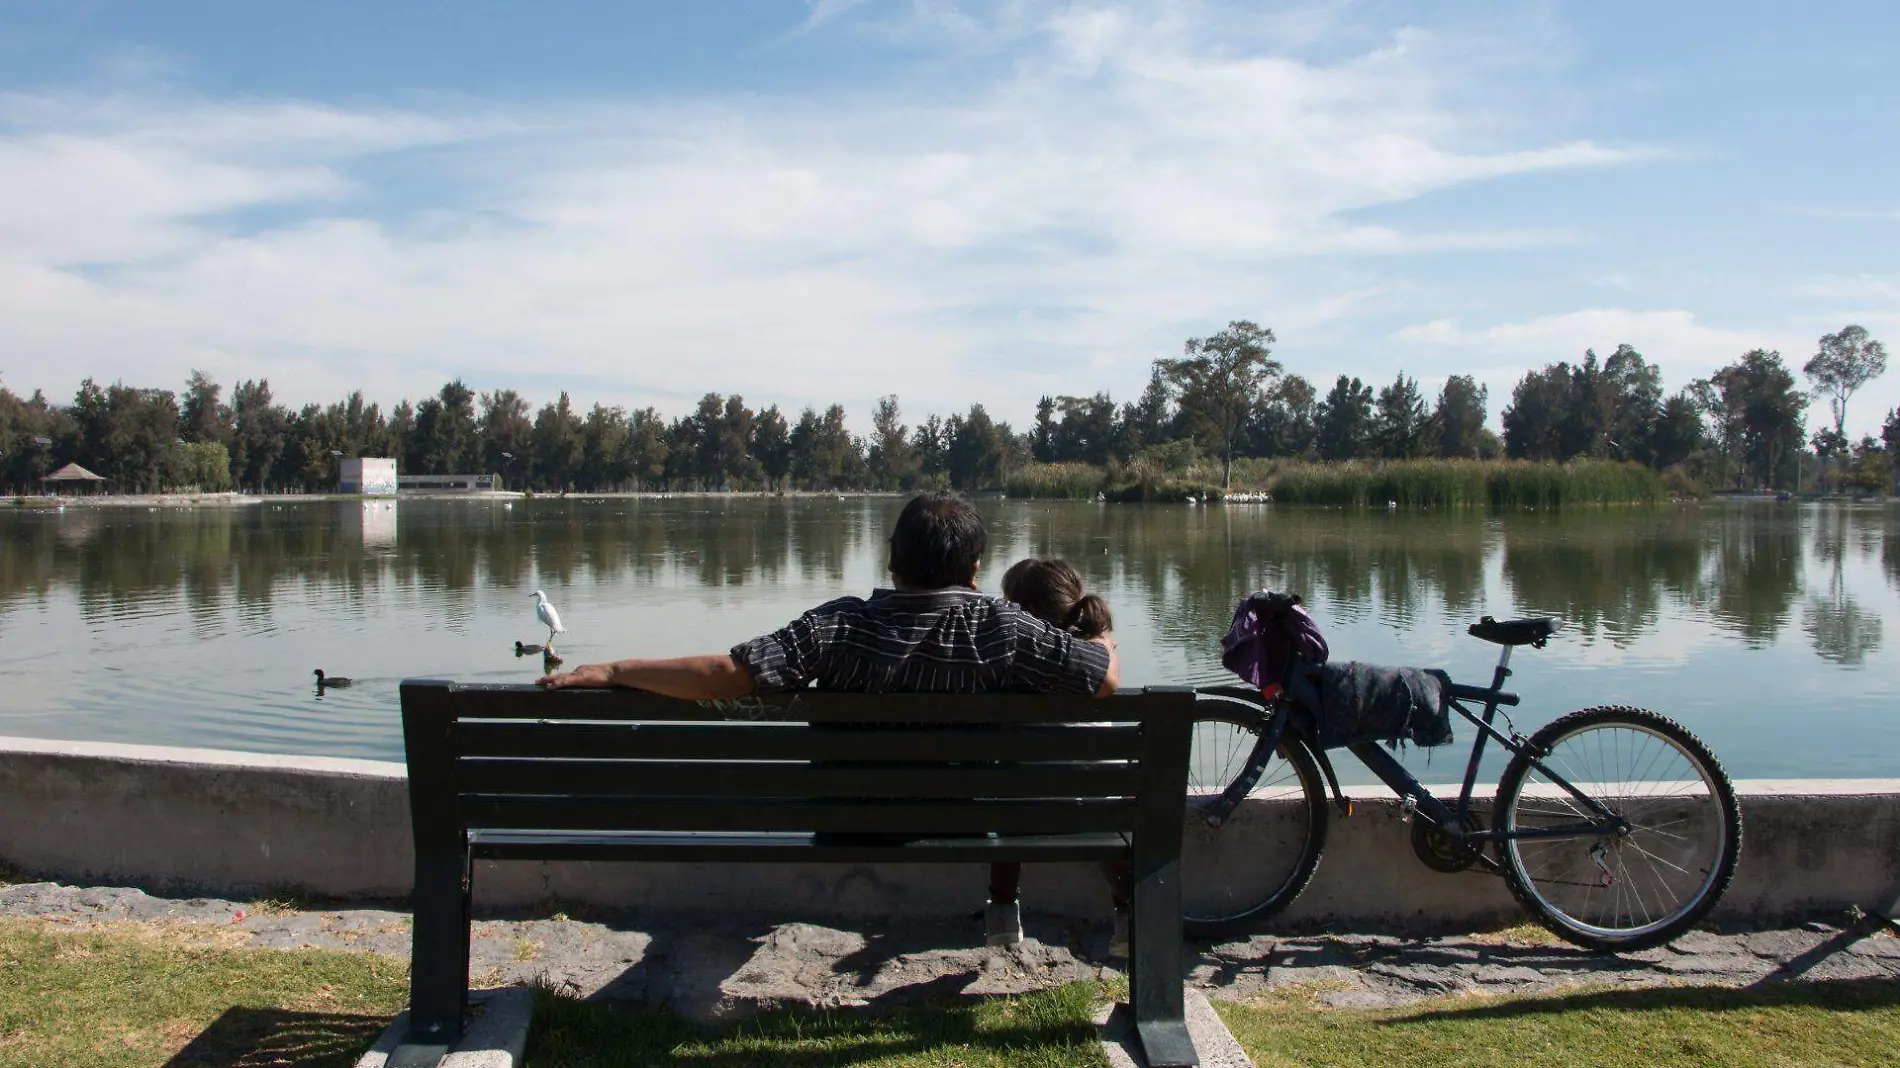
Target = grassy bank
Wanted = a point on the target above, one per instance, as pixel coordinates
(1839, 1023)
(1499, 484)
(149, 995)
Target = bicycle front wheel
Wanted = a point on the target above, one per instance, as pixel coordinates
(1252, 864)
(1633, 886)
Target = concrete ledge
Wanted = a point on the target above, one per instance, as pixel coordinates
(496, 1035)
(1213, 1042)
(188, 820)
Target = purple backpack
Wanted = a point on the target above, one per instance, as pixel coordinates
(1269, 631)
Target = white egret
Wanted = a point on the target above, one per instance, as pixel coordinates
(549, 618)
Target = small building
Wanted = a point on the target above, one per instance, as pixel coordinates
(72, 478)
(449, 483)
(366, 474)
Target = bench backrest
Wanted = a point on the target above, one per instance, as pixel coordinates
(519, 757)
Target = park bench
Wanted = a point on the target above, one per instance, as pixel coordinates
(520, 773)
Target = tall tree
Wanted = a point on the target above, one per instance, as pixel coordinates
(203, 416)
(771, 443)
(1678, 431)
(893, 461)
(1463, 406)
(1399, 424)
(1220, 381)
(1344, 420)
(647, 447)
(558, 444)
(737, 467)
(506, 433)
(1756, 411)
(1847, 361)
(1087, 430)
(1042, 439)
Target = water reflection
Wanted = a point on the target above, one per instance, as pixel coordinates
(1614, 576)
(200, 626)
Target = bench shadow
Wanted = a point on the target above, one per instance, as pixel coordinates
(1832, 994)
(255, 1038)
(938, 1020)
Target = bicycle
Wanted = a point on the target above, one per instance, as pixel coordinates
(1615, 827)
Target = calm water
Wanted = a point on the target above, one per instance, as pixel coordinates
(1764, 627)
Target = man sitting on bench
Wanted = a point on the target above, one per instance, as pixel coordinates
(934, 632)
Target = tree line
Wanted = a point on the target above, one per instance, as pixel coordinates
(1226, 398)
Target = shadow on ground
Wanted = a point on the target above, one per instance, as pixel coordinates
(257, 1038)
(1835, 995)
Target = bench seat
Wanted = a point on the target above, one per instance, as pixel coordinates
(785, 848)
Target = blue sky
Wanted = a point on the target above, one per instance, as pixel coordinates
(955, 202)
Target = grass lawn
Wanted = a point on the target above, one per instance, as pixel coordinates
(1048, 1029)
(155, 996)
(1813, 1025)
(139, 995)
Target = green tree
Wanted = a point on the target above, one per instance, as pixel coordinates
(1086, 432)
(1344, 420)
(604, 460)
(1678, 431)
(1220, 381)
(771, 443)
(1042, 440)
(1757, 414)
(1458, 420)
(507, 434)
(647, 448)
(976, 450)
(892, 460)
(558, 444)
(1400, 421)
(1846, 362)
(259, 430)
(203, 416)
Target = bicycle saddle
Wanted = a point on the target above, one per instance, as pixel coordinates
(1533, 632)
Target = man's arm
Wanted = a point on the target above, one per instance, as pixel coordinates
(1113, 677)
(717, 677)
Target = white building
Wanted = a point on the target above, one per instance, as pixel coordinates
(366, 474)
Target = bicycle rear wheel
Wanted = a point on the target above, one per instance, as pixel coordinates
(1257, 860)
(1628, 889)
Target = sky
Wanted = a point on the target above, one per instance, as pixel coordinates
(817, 201)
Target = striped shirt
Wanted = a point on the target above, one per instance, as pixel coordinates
(939, 641)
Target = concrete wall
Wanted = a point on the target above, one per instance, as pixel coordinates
(234, 823)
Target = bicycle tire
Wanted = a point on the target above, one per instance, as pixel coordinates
(1257, 862)
(1706, 837)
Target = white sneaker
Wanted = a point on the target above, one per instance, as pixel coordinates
(1003, 924)
(1118, 941)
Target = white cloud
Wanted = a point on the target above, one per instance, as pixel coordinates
(1139, 174)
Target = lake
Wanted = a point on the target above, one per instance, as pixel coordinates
(1759, 625)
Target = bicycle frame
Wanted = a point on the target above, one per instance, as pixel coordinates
(1449, 819)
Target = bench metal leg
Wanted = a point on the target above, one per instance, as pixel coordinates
(1154, 972)
(438, 951)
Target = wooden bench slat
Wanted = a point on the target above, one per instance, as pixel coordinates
(899, 817)
(758, 741)
(474, 701)
(790, 848)
(745, 781)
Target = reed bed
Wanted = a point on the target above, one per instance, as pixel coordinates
(1502, 484)
(1410, 484)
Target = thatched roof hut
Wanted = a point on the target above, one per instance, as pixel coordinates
(73, 476)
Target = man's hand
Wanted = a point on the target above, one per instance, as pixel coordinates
(585, 677)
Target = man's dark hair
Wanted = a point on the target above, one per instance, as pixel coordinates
(937, 542)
